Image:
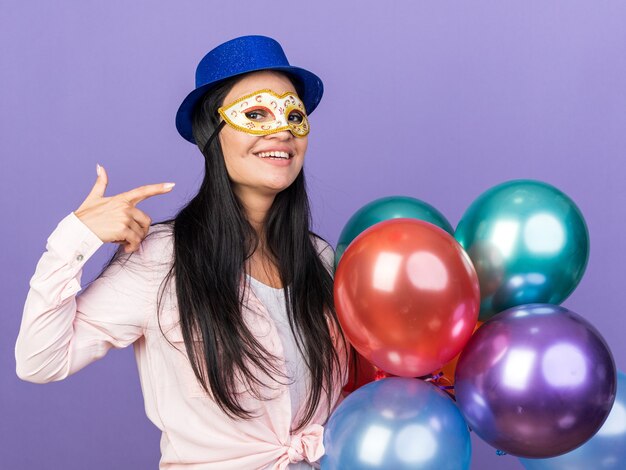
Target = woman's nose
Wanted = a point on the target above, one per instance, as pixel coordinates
(282, 135)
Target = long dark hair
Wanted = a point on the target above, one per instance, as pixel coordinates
(212, 242)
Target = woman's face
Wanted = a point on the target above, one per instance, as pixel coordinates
(250, 169)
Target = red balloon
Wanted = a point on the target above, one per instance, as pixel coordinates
(362, 372)
(407, 296)
(444, 377)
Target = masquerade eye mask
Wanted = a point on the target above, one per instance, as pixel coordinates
(264, 112)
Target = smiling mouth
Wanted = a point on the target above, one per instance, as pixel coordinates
(273, 155)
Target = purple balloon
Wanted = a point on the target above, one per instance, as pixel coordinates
(536, 381)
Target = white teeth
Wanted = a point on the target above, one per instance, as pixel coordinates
(273, 154)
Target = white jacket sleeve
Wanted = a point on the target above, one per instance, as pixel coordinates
(61, 332)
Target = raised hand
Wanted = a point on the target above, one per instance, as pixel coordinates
(116, 219)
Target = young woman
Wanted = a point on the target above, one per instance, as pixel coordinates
(228, 305)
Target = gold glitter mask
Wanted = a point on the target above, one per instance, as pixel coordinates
(265, 112)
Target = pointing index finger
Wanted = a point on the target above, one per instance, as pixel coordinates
(135, 196)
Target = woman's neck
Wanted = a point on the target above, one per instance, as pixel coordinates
(256, 206)
(261, 265)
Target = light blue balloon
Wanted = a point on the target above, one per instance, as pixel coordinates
(606, 450)
(397, 423)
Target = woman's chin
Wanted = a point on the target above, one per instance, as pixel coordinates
(277, 185)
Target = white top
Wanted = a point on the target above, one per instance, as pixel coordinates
(299, 381)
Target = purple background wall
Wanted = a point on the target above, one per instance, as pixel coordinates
(436, 100)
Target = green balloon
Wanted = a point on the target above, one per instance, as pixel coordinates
(392, 207)
(529, 244)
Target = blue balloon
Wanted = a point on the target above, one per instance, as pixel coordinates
(528, 242)
(386, 208)
(398, 423)
(606, 450)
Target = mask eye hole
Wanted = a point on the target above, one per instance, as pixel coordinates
(295, 117)
(259, 114)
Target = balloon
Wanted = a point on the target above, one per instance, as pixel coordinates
(444, 377)
(361, 372)
(529, 244)
(606, 450)
(536, 381)
(386, 208)
(406, 296)
(396, 423)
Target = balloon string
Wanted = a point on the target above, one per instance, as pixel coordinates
(431, 377)
(435, 379)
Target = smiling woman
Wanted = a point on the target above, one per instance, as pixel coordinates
(229, 305)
